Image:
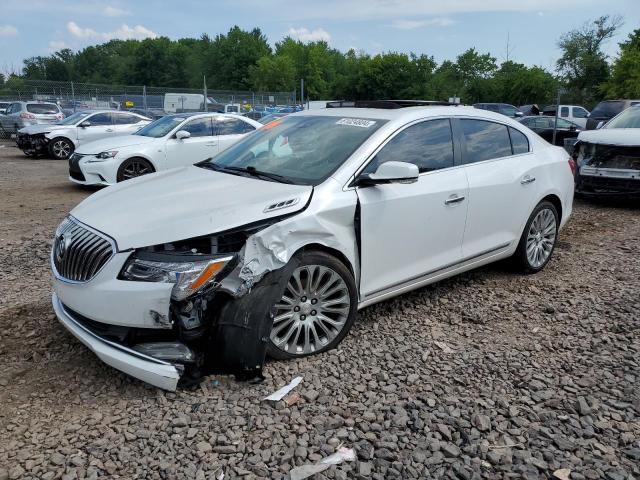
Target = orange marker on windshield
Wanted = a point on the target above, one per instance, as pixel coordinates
(270, 125)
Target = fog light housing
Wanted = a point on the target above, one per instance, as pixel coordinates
(169, 351)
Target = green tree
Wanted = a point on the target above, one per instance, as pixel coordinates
(583, 65)
(625, 72)
(275, 73)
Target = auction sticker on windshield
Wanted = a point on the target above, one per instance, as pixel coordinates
(356, 122)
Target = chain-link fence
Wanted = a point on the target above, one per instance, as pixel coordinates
(156, 101)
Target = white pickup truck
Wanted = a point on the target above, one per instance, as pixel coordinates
(574, 113)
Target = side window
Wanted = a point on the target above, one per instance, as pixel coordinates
(200, 127)
(564, 112)
(428, 145)
(125, 119)
(100, 119)
(485, 140)
(562, 123)
(230, 126)
(519, 141)
(579, 112)
(544, 122)
(15, 107)
(247, 127)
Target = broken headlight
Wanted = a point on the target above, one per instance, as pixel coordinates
(189, 274)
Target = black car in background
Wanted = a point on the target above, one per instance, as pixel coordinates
(503, 108)
(543, 126)
(606, 110)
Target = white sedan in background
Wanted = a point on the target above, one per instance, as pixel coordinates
(169, 142)
(60, 139)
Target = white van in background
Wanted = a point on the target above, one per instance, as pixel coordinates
(185, 102)
(574, 113)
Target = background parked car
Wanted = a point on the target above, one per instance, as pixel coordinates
(608, 158)
(61, 139)
(172, 141)
(152, 113)
(532, 109)
(503, 108)
(606, 110)
(23, 114)
(573, 113)
(3, 107)
(543, 126)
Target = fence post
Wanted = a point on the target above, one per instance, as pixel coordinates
(73, 98)
(144, 96)
(204, 86)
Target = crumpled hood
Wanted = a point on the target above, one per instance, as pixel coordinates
(629, 137)
(113, 143)
(43, 128)
(183, 203)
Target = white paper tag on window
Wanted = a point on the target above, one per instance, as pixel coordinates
(356, 122)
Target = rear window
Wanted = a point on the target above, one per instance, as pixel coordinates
(608, 109)
(485, 140)
(42, 108)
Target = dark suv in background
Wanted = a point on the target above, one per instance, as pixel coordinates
(503, 108)
(606, 110)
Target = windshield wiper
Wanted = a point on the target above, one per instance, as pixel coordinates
(253, 171)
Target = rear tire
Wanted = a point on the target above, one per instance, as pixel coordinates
(538, 240)
(316, 309)
(132, 168)
(61, 148)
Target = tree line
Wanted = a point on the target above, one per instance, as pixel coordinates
(244, 60)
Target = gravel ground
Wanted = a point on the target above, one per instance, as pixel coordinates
(488, 375)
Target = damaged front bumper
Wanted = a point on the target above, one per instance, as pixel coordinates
(152, 370)
(608, 171)
(32, 144)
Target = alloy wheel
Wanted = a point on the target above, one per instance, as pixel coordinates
(135, 168)
(541, 237)
(312, 312)
(61, 149)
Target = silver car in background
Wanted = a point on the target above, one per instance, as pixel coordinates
(24, 114)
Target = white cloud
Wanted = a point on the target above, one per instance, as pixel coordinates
(57, 45)
(125, 32)
(305, 35)
(413, 24)
(8, 31)
(110, 11)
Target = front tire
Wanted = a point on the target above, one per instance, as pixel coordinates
(316, 309)
(132, 168)
(61, 148)
(538, 240)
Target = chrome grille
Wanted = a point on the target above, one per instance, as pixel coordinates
(79, 253)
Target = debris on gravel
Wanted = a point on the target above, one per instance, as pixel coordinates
(540, 375)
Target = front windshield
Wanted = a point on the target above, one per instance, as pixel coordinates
(159, 128)
(299, 149)
(270, 118)
(630, 118)
(73, 118)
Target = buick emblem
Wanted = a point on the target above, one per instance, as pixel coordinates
(62, 246)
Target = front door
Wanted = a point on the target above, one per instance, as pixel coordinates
(101, 126)
(199, 146)
(409, 231)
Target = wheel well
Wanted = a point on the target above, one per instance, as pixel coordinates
(555, 200)
(333, 252)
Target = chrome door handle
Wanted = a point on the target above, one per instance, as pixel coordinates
(453, 199)
(211, 144)
(109, 130)
(527, 179)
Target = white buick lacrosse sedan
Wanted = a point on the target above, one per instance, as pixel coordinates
(271, 247)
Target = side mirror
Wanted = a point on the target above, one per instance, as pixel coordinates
(572, 128)
(600, 125)
(182, 134)
(519, 114)
(85, 124)
(390, 172)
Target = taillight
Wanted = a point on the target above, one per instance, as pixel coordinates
(573, 166)
(27, 115)
(60, 116)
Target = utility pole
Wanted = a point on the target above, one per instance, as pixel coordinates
(302, 92)
(204, 83)
(555, 120)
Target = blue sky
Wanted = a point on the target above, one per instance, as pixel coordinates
(442, 28)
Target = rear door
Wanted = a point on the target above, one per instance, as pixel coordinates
(101, 126)
(199, 146)
(229, 130)
(501, 172)
(409, 231)
(125, 123)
